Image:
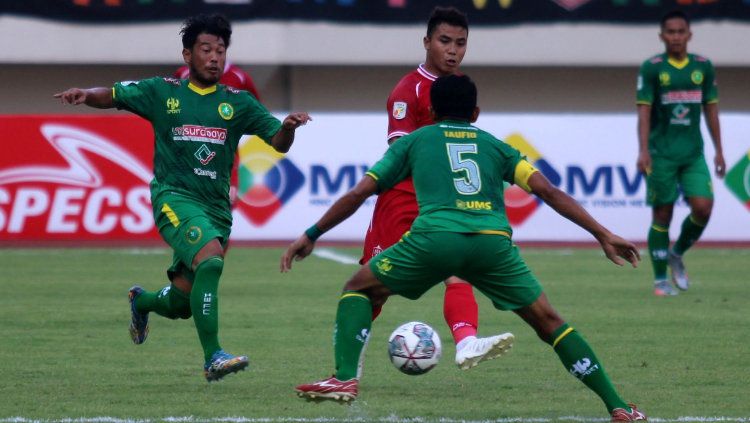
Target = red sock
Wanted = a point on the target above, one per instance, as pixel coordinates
(461, 311)
(376, 312)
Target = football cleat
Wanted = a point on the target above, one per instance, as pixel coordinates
(482, 349)
(679, 274)
(623, 415)
(664, 289)
(222, 364)
(330, 388)
(138, 321)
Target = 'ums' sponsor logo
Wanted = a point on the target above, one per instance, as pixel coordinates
(267, 181)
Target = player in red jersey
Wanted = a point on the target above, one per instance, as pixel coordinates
(409, 109)
(234, 77)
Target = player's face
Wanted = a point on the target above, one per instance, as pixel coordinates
(206, 60)
(445, 49)
(675, 34)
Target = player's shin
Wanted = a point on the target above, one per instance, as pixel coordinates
(169, 302)
(204, 303)
(658, 246)
(580, 360)
(351, 334)
(460, 310)
(689, 233)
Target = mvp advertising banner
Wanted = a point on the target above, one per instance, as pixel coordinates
(480, 12)
(85, 178)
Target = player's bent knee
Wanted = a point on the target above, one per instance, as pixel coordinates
(210, 266)
(179, 304)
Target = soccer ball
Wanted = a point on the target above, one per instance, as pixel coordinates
(414, 348)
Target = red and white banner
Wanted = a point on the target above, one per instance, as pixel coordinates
(76, 178)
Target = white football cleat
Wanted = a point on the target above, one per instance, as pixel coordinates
(679, 274)
(482, 349)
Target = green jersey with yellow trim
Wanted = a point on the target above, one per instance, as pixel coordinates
(196, 133)
(459, 173)
(676, 92)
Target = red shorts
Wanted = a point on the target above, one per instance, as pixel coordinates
(395, 211)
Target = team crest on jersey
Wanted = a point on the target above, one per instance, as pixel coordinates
(696, 77)
(226, 111)
(193, 235)
(664, 79)
(399, 110)
(173, 106)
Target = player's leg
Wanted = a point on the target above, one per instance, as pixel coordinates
(658, 248)
(361, 294)
(576, 354)
(695, 180)
(499, 272)
(462, 316)
(661, 186)
(172, 302)
(408, 268)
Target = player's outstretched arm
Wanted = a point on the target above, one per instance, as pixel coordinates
(283, 139)
(614, 247)
(99, 97)
(337, 213)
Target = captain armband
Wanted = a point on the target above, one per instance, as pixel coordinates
(523, 172)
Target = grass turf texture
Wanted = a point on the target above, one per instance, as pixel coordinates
(66, 352)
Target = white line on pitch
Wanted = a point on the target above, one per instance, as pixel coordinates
(327, 253)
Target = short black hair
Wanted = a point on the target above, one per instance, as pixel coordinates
(448, 15)
(672, 14)
(214, 24)
(453, 96)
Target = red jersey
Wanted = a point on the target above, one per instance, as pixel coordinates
(233, 77)
(408, 110)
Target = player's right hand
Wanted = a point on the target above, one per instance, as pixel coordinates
(297, 251)
(644, 162)
(616, 249)
(72, 96)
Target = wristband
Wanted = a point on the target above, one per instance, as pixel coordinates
(313, 232)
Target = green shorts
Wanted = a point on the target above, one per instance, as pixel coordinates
(491, 263)
(693, 179)
(187, 226)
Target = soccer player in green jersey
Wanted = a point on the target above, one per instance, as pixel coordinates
(197, 127)
(672, 89)
(459, 173)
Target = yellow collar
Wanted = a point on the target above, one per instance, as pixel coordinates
(202, 91)
(679, 64)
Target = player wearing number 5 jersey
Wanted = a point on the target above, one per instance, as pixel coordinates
(459, 173)
(395, 209)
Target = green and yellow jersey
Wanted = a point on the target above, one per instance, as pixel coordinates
(676, 92)
(459, 173)
(196, 133)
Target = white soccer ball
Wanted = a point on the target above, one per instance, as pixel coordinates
(414, 348)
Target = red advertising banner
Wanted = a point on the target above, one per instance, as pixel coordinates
(82, 178)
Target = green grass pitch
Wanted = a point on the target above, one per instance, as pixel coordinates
(65, 352)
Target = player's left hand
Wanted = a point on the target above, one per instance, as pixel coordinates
(298, 250)
(295, 120)
(617, 249)
(719, 165)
